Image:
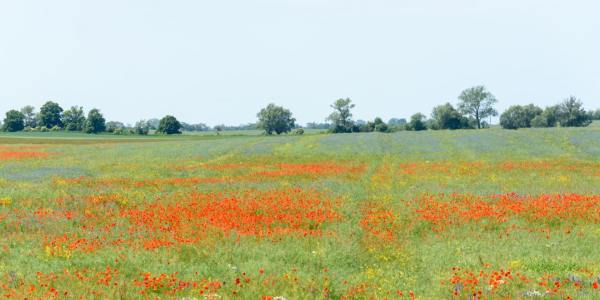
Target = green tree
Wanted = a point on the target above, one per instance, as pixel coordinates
(518, 116)
(276, 119)
(30, 117)
(14, 121)
(114, 126)
(549, 118)
(596, 114)
(95, 122)
(417, 122)
(377, 125)
(572, 114)
(169, 125)
(447, 117)
(141, 127)
(73, 119)
(342, 116)
(50, 115)
(477, 103)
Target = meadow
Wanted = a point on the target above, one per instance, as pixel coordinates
(468, 214)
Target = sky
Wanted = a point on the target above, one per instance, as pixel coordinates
(221, 61)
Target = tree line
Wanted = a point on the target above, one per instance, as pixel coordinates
(52, 117)
(474, 106)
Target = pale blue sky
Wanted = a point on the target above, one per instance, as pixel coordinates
(221, 61)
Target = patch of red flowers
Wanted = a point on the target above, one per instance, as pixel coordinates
(491, 283)
(443, 211)
(192, 217)
(380, 223)
(21, 155)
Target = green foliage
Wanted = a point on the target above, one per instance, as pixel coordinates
(299, 131)
(194, 127)
(169, 125)
(477, 103)
(549, 118)
(141, 127)
(377, 125)
(50, 115)
(595, 115)
(275, 119)
(397, 121)
(153, 123)
(417, 122)
(518, 116)
(95, 122)
(73, 119)
(342, 116)
(447, 117)
(30, 117)
(114, 126)
(14, 121)
(572, 114)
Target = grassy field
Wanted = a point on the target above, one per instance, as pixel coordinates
(470, 214)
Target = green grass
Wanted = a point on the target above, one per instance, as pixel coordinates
(393, 172)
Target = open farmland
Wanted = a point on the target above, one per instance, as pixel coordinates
(424, 215)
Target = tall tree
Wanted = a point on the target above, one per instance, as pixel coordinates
(14, 121)
(73, 119)
(29, 112)
(276, 119)
(477, 103)
(572, 114)
(342, 116)
(169, 125)
(50, 114)
(95, 122)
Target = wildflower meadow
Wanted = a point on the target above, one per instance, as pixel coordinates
(491, 214)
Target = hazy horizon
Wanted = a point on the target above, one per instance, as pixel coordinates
(219, 63)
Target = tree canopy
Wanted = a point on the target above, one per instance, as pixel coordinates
(447, 117)
(29, 112)
(275, 119)
(95, 122)
(520, 116)
(50, 115)
(417, 122)
(341, 117)
(14, 121)
(572, 114)
(477, 103)
(73, 119)
(169, 125)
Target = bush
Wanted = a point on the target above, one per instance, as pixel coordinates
(447, 117)
(518, 116)
(299, 131)
(417, 122)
